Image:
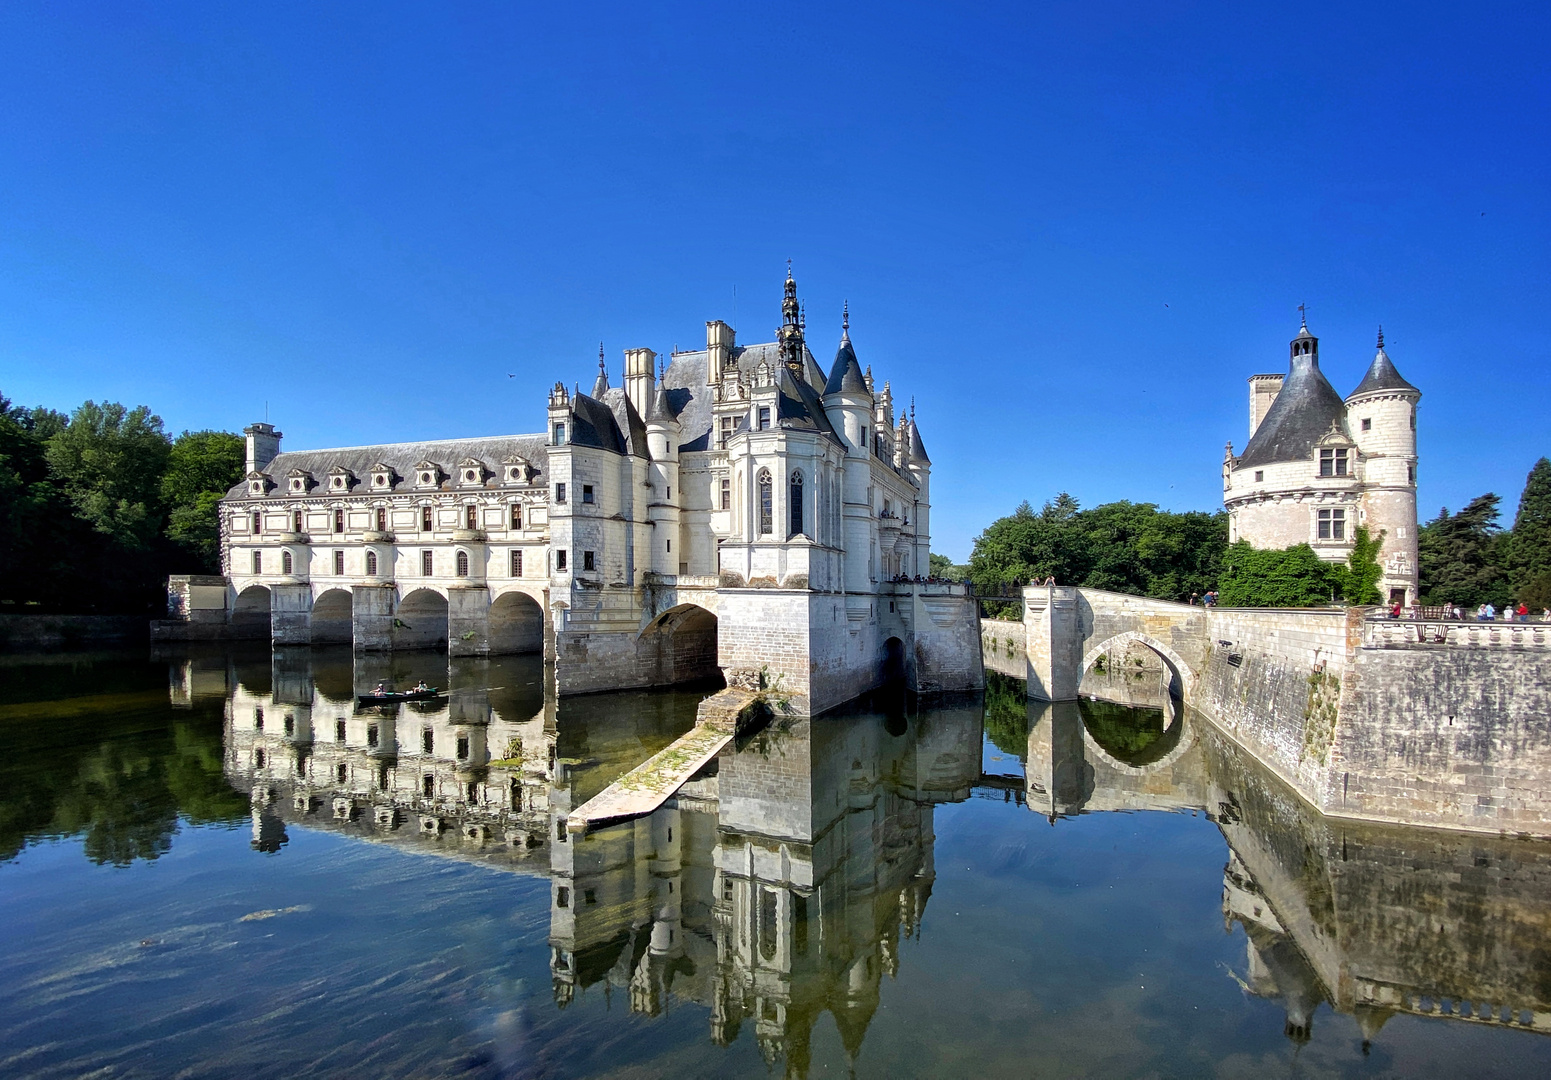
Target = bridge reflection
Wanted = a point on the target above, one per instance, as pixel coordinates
(778, 883)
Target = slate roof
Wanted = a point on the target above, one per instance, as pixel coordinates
(610, 423)
(917, 448)
(1301, 414)
(534, 449)
(1381, 376)
(690, 399)
(845, 377)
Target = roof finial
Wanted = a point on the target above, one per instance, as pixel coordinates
(788, 269)
(1381, 337)
(600, 356)
(1303, 315)
(845, 316)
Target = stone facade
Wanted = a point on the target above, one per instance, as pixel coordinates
(1317, 467)
(739, 510)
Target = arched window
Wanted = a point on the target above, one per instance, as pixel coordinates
(766, 504)
(463, 564)
(285, 562)
(371, 564)
(794, 503)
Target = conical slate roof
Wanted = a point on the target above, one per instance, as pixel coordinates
(658, 408)
(1299, 417)
(917, 448)
(846, 376)
(1381, 376)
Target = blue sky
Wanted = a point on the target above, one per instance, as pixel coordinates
(1070, 230)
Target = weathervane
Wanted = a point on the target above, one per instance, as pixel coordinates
(1303, 315)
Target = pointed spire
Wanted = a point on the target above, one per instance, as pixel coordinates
(1381, 337)
(1303, 315)
(845, 322)
(601, 384)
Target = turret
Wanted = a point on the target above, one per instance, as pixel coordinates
(662, 443)
(600, 385)
(920, 467)
(1381, 415)
(793, 324)
(263, 444)
(847, 401)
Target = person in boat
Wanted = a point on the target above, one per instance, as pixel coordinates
(421, 687)
(380, 691)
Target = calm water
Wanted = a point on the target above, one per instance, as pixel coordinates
(216, 866)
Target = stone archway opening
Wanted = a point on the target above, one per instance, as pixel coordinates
(516, 625)
(331, 617)
(682, 642)
(420, 621)
(892, 665)
(250, 614)
(1131, 697)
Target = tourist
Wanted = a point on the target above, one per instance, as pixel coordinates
(1394, 612)
(1481, 613)
(1193, 598)
(1210, 599)
(1523, 612)
(1491, 612)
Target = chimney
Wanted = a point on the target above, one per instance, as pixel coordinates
(640, 379)
(263, 445)
(720, 339)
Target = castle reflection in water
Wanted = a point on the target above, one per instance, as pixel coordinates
(776, 885)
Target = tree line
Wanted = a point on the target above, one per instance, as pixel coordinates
(1465, 558)
(97, 507)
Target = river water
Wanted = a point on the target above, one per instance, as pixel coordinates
(215, 865)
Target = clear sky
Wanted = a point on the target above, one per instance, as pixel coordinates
(1069, 230)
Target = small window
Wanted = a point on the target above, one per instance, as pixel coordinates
(725, 432)
(339, 731)
(425, 478)
(560, 559)
(587, 493)
(473, 791)
(471, 517)
(590, 896)
(258, 719)
(1260, 476)
(562, 897)
(1367, 424)
(560, 829)
(382, 519)
(285, 562)
(371, 734)
(258, 522)
(559, 434)
(427, 564)
(1410, 474)
(339, 521)
(463, 564)
(560, 493)
(588, 562)
(425, 519)
(371, 564)
(516, 562)
(427, 741)
(258, 758)
(670, 545)
(516, 515)
(1332, 462)
(343, 773)
(428, 786)
(463, 747)
(764, 418)
(468, 476)
(296, 521)
(726, 494)
(1332, 524)
(258, 562)
(339, 564)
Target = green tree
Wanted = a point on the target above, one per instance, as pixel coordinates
(1529, 551)
(1463, 556)
(1359, 579)
(943, 567)
(1292, 578)
(109, 460)
(201, 467)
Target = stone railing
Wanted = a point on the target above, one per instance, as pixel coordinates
(1382, 633)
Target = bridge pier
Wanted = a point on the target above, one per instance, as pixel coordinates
(1053, 629)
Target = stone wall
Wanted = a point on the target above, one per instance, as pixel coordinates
(1004, 644)
(25, 633)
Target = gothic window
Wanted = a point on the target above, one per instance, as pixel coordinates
(427, 564)
(767, 923)
(1332, 524)
(382, 519)
(471, 517)
(371, 564)
(285, 562)
(463, 564)
(339, 563)
(258, 562)
(587, 493)
(1332, 462)
(516, 515)
(517, 563)
(726, 494)
(560, 493)
(766, 507)
(589, 561)
(258, 522)
(794, 504)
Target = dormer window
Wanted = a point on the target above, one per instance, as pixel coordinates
(763, 416)
(298, 484)
(382, 476)
(340, 478)
(428, 474)
(258, 483)
(559, 435)
(1332, 462)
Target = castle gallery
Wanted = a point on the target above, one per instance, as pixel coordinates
(744, 511)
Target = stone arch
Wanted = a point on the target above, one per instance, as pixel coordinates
(892, 664)
(1182, 671)
(420, 621)
(250, 612)
(1183, 739)
(331, 617)
(682, 644)
(516, 624)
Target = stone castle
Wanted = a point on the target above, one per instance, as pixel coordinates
(1318, 467)
(741, 511)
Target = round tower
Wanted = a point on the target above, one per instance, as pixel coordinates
(1381, 416)
(662, 444)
